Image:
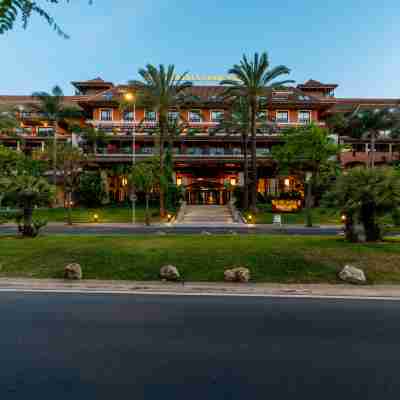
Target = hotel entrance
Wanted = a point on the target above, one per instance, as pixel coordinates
(207, 193)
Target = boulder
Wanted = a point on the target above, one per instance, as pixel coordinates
(352, 274)
(240, 274)
(206, 233)
(73, 271)
(161, 233)
(169, 273)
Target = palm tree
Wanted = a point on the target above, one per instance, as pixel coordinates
(370, 124)
(251, 79)
(92, 136)
(238, 121)
(53, 108)
(161, 89)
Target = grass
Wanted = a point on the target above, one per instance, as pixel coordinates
(199, 258)
(105, 214)
(321, 216)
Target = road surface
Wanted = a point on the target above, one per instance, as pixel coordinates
(66, 346)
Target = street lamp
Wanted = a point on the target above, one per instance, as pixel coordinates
(130, 98)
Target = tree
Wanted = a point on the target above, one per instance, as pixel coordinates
(92, 189)
(69, 164)
(364, 195)
(31, 191)
(367, 124)
(20, 178)
(308, 148)
(161, 89)
(53, 108)
(11, 10)
(92, 136)
(238, 121)
(8, 121)
(144, 177)
(252, 78)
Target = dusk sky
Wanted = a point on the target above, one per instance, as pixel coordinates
(335, 42)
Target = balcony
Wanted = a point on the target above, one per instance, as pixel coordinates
(353, 158)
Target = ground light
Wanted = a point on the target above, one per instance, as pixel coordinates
(96, 217)
(343, 218)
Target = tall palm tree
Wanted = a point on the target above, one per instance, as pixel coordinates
(8, 120)
(238, 121)
(161, 89)
(251, 79)
(53, 109)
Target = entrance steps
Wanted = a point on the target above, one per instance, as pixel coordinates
(207, 215)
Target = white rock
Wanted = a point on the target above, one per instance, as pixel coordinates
(240, 274)
(352, 275)
(73, 271)
(169, 273)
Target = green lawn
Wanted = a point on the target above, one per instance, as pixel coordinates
(321, 216)
(105, 214)
(198, 257)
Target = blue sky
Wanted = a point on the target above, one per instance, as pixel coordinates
(332, 41)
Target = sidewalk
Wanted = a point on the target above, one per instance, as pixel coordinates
(201, 288)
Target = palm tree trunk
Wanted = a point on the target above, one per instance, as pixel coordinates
(308, 203)
(147, 213)
(69, 214)
(55, 161)
(28, 213)
(253, 205)
(246, 173)
(162, 136)
(372, 151)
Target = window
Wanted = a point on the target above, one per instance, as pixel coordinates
(195, 116)
(128, 116)
(282, 116)
(43, 132)
(150, 116)
(305, 117)
(217, 116)
(106, 115)
(262, 115)
(173, 116)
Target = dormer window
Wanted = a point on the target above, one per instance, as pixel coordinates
(195, 116)
(217, 116)
(106, 114)
(305, 117)
(282, 116)
(150, 116)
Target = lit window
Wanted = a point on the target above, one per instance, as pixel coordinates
(150, 116)
(217, 116)
(173, 116)
(128, 116)
(106, 115)
(195, 116)
(282, 116)
(304, 116)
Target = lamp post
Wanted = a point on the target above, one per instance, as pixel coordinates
(130, 97)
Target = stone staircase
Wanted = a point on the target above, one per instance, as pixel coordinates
(207, 215)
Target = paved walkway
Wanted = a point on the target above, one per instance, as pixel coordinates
(202, 288)
(206, 215)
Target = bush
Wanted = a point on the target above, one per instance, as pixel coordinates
(91, 191)
(396, 217)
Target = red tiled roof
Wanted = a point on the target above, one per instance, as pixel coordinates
(11, 100)
(311, 83)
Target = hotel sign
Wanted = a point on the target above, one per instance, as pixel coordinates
(209, 78)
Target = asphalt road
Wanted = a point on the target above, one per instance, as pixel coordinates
(175, 230)
(60, 346)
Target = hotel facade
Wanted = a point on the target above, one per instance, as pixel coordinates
(208, 162)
